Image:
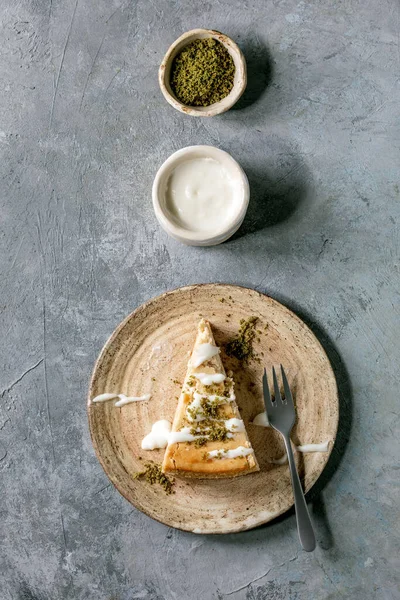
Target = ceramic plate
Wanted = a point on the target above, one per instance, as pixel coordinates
(148, 353)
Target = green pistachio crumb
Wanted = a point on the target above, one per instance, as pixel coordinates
(209, 409)
(200, 441)
(241, 347)
(153, 474)
(209, 430)
(202, 73)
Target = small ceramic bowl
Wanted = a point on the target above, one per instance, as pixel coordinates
(175, 228)
(239, 83)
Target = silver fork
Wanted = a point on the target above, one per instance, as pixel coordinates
(281, 416)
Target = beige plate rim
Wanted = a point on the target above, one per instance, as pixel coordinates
(103, 352)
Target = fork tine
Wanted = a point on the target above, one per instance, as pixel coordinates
(278, 396)
(267, 395)
(288, 393)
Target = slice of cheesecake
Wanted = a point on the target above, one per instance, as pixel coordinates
(208, 438)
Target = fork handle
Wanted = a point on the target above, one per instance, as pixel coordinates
(304, 525)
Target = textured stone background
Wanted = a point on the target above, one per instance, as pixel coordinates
(83, 129)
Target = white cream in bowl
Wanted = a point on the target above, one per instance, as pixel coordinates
(200, 195)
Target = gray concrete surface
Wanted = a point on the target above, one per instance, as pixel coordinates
(83, 129)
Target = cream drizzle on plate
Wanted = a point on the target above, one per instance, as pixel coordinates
(158, 437)
(278, 461)
(305, 448)
(262, 421)
(314, 447)
(122, 398)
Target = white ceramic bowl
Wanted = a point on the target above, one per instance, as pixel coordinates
(239, 83)
(169, 222)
